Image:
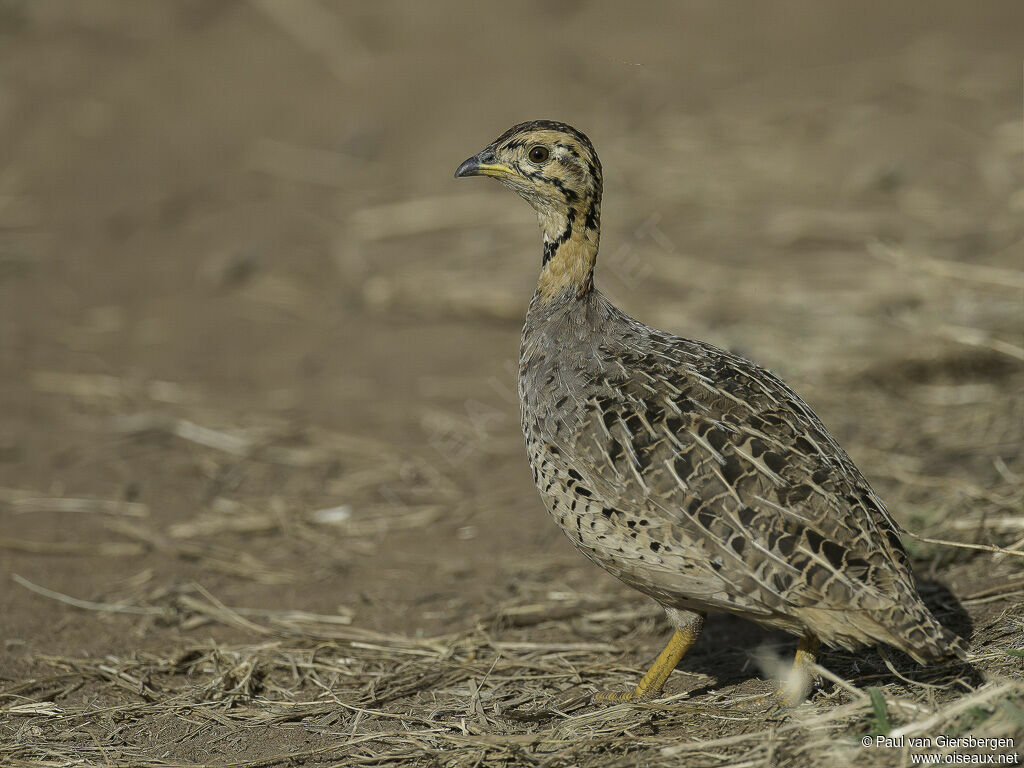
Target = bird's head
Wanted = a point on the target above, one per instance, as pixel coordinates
(551, 165)
(555, 169)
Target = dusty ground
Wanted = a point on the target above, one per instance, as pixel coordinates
(263, 499)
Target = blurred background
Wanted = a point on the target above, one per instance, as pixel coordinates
(256, 341)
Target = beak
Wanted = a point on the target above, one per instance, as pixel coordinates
(482, 164)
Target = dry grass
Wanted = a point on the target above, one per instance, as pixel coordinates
(510, 686)
(486, 696)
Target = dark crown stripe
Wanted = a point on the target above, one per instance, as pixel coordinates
(553, 125)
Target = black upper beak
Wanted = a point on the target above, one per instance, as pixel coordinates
(469, 167)
(482, 164)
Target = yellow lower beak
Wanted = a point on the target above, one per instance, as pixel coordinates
(473, 167)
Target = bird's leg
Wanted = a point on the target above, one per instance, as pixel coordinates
(797, 685)
(688, 626)
(803, 667)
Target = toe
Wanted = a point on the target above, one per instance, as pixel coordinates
(619, 697)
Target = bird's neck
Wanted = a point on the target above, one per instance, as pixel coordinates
(571, 238)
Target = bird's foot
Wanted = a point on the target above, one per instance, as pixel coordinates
(798, 682)
(786, 696)
(652, 683)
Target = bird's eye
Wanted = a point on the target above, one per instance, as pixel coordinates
(539, 154)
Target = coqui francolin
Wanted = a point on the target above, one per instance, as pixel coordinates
(691, 474)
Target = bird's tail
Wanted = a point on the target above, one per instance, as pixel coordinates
(914, 630)
(904, 623)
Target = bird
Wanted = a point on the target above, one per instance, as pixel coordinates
(689, 473)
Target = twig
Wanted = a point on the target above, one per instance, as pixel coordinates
(975, 337)
(1004, 278)
(963, 545)
(24, 503)
(102, 549)
(889, 665)
(87, 605)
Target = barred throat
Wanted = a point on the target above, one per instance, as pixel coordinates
(571, 239)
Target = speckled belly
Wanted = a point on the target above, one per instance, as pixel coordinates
(619, 543)
(578, 514)
(638, 549)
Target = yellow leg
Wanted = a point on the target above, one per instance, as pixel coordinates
(795, 689)
(652, 683)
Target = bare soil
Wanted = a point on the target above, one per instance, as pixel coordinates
(263, 498)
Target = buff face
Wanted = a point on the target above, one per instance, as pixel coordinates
(550, 165)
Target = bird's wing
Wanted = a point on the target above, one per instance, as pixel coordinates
(734, 470)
